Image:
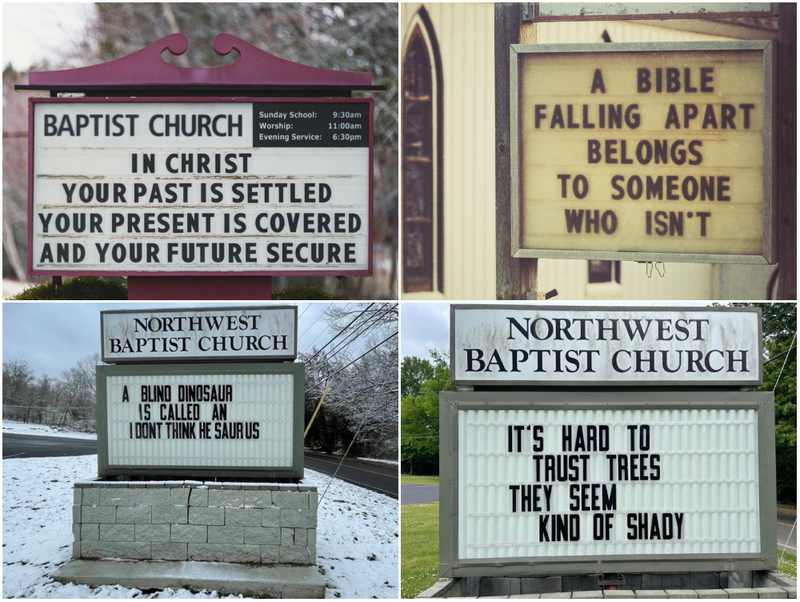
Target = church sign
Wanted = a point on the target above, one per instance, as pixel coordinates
(189, 186)
(645, 152)
(544, 483)
(605, 439)
(255, 333)
(502, 345)
(201, 420)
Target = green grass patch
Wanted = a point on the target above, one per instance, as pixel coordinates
(788, 564)
(419, 550)
(410, 479)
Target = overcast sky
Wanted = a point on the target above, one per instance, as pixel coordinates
(426, 325)
(52, 337)
(33, 31)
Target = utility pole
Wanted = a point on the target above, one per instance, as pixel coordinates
(786, 156)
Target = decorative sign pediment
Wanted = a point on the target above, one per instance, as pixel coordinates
(146, 67)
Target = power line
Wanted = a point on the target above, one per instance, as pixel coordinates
(777, 380)
(338, 334)
(782, 353)
(315, 321)
(355, 436)
(394, 334)
(362, 328)
(377, 390)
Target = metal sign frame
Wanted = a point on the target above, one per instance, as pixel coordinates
(241, 269)
(297, 370)
(769, 205)
(450, 403)
(290, 355)
(497, 381)
(544, 12)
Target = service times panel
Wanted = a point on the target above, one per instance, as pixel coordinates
(196, 187)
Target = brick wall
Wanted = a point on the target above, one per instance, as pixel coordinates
(192, 520)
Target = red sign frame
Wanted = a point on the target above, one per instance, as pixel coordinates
(56, 271)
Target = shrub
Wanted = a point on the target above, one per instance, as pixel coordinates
(303, 293)
(78, 288)
(94, 287)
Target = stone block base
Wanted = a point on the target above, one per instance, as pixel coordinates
(247, 523)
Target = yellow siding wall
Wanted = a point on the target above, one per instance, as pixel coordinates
(618, 31)
(466, 42)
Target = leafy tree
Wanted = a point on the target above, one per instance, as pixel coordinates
(779, 332)
(75, 289)
(413, 371)
(303, 293)
(419, 413)
(780, 375)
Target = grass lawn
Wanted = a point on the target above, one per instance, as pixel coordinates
(419, 550)
(788, 566)
(409, 479)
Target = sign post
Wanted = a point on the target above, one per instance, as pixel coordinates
(605, 440)
(216, 178)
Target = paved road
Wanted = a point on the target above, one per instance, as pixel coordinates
(419, 494)
(382, 478)
(33, 446)
(377, 477)
(785, 521)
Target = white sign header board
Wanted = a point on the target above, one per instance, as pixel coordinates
(220, 333)
(568, 346)
(191, 187)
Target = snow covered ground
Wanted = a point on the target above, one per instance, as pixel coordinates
(41, 430)
(378, 461)
(357, 535)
